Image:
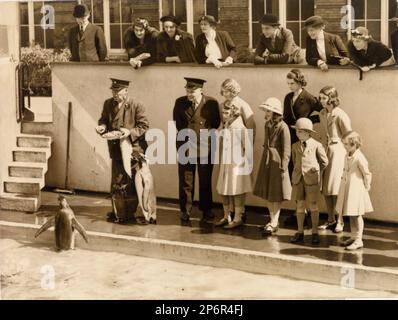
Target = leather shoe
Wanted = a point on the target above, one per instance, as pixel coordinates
(222, 222)
(111, 217)
(184, 216)
(315, 239)
(208, 214)
(234, 224)
(298, 237)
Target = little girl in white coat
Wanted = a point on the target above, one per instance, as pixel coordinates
(353, 199)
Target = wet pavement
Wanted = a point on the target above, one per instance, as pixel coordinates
(380, 241)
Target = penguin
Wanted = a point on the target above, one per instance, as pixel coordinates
(66, 225)
(144, 185)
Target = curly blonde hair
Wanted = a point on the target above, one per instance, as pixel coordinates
(232, 86)
(332, 94)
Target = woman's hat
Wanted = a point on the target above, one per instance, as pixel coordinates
(272, 104)
(361, 33)
(210, 19)
(304, 124)
(314, 22)
(80, 11)
(270, 20)
(173, 19)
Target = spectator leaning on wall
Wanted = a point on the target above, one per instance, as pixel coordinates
(86, 40)
(368, 53)
(323, 48)
(140, 43)
(276, 44)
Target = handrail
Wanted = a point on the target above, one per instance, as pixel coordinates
(23, 80)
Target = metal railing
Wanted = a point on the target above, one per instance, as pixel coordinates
(22, 76)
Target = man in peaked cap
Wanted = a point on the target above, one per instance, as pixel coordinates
(127, 115)
(196, 111)
(86, 40)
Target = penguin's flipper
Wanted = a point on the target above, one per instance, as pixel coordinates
(80, 228)
(44, 227)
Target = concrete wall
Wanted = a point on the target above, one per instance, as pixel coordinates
(8, 124)
(371, 104)
(9, 22)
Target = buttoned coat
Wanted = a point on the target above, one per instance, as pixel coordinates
(308, 164)
(224, 42)
(207, 115)
(273, 182)
(181, 44)
(335, 125)
(334, 46)
(90, 47)
(131, 115)
(353, 198)
(304, 107)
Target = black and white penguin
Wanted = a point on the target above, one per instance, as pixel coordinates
(66, 225)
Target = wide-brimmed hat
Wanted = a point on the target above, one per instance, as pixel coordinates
(80, 11)
(272, 104)
(361, 33)
(314, 22)
(270, 20)
(304, 124)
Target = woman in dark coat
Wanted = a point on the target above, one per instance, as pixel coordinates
(173, 44)
(140, 43)
(214, 47)
(323, 48)
(368, 53)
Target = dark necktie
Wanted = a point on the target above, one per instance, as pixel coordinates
(81, 31)
(304, 145)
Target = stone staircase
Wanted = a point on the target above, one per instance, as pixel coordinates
(26, 172)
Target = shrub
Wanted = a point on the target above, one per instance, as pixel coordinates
(38, 62)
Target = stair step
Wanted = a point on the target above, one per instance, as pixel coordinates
(35, 141)
(31, 186)
(26, 171)
(25, 154)
(37, 128)
(20, 202)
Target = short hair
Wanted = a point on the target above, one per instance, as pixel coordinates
(297, 76)
(332, 94)
(232, 86)
(353, 138)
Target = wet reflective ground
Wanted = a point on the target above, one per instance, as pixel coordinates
(381, 242)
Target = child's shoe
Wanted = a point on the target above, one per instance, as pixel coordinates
(339, 227)
(269, 229)
(315, 239)
(328, 225)
(222, 222)
(298, 237)
(357, 244)
(347, 242)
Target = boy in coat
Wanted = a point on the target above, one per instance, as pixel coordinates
(309, 159)
(86, 40)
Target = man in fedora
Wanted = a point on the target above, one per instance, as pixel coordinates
(276, 44)
(124, 114)
(323, 48)
(394, 39)
(197, 112)
(86, 40)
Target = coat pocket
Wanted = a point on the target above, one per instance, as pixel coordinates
(312, 177)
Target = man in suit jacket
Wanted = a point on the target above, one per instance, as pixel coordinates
(323, 48)
(86, 41)
(276, 44)
(124, 114)
(197, 112)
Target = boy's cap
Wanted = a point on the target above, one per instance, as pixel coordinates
(194, 83)
(272, 104)
(314, 22)
(304, 124)
(270, 20)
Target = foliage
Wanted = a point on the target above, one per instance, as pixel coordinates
(38, 62)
